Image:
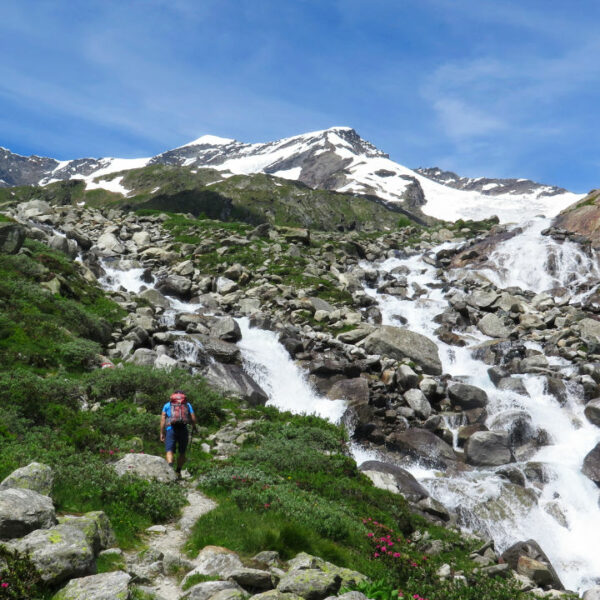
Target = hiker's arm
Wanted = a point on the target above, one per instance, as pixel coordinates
(194, 422)
(163, 420)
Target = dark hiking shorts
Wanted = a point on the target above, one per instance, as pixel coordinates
(176, 437)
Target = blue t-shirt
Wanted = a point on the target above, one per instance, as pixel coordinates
(167, 410)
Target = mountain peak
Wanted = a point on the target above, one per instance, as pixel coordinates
(209, 140)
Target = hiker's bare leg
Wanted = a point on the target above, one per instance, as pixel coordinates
(170, 458)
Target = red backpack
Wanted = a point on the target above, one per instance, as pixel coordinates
(180, 412)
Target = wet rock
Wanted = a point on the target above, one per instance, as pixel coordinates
(466, 431)
(467, 396)
(35, 476)
(175, 285)
(226, 329)
(512, 474)
(533, 364)
(493, 326)
(482, 299)
(232, 379)
(433, 507)
(106, 586)
(155, 298)
(592, 594)
(398, 343)
(556, 387)
(146, 466)
(395, 479)
(487, 449)
(223, 352)
(517, 423)
(422, 444)
(355, 391)
(592, 412)
(532, 551)
(591, 465)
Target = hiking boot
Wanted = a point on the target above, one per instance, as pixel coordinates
(178, 472)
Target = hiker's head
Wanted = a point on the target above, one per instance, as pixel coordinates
(178, 396)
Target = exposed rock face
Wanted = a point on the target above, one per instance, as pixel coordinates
(232, 379)
(22, 511)
(531, 551)
(488, 448)
(208, 589)
(395, 479)
(35, 476)
(422, 444)
(591, 465)
(401, 343)
(582, 218)
(311, 584)
(467, 396)
(95, 526)
(214, 560)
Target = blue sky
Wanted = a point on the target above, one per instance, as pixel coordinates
(482, 87)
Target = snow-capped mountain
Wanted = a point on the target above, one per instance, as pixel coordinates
(335, 159)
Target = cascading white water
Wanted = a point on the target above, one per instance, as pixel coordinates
(560, 515)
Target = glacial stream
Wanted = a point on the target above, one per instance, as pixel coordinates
(565, 520)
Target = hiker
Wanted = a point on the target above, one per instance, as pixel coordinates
(176, 415)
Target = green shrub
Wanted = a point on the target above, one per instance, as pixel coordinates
(19, 579)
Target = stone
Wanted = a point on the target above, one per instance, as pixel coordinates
(482, 299)
(589, 330)
(467, 396)
(225, 286)
(417, 401)
(12, 236)
(311, 584)
(208, 589)
(144, 357)
(591, 464)
(276, 595)
(22, 511)
(395, 479)
(146, 466)
(175, 285)
(422, 444)
(531, 549)
(535, 570)
(406, 378)
(591, 594)
(109, 245)
(591, 411)
(493, 326)
(488, 449)
(35, 476)
(214, 561)
(513, 384)
(252, 579)
(96, 527)
(226, 329)
(106, 586)
(59, 553)
(398, 343)
(141, 239)
(355, 391)
(223, 352)
(267, 557)
(433, 507)
(232, 379)
(155, 298)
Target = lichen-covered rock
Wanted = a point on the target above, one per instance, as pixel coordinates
(35, 476)
(214, 560)
(22, 511)
(58, 553)
(207, 589)
(276, 595)
(252, 579)
(146, 466)
(96, 528)
(12, 236)
(311, 584)
(106, 586)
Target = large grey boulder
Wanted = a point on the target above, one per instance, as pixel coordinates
(311, 584)
(418, 402)
(493, 326)
(22, 511)
(12, 236)
(175, 285)
(422, 444)
(591, 465)
(109, 245)
(146, 466)
(591, 594)
(35, 476)
(592, 412)
(488, 448)
(531, 550)
(355, 391)
(96, 527)
(252, 579)
(394, 479)
(233, 380)
(214, 561)
(589, 330)
(155, 298)
(399, 344)
(34, 209)
(226, 329)
(106, 586)
(467, 396)
(58, 553)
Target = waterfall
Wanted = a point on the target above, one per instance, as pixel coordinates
(562, 512)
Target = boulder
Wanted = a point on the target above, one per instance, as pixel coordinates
(224, 286)
(109, 245)
(482, 299)
(143, 357)
(208, 589)
(418, 402)
(35, 476)
(12, 236)
(493, 326)
(311, 584)
(589, 330)
(531, 550)
(488, 449)
(22, 511)
(422, 444)
(96, 527)
(252, 579)
(355, 391)
(146, 466)
(106, 586)
(276, 595)
(226, 329)
(155, 298)
(223, 352)
(467, 396)
(232, 379)
(398, 343)
(58, 553)
(175, 285)
(395, 479)
(591, 465)
(214, 561)
(141, 239)
(592, 413)
(591, 594)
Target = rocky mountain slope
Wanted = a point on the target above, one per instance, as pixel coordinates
(335, 159)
